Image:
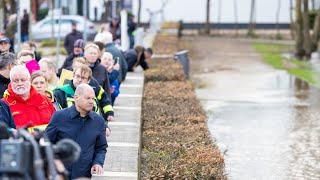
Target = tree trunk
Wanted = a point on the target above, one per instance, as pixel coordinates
(316, 31)
(139, 13)
(306, 29)
(207, 26)
(13, 7)
(291, 21)
(251, 23)
(30, 19)
(298, 27)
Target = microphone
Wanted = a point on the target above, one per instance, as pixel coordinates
(4, 131)
(67, 151)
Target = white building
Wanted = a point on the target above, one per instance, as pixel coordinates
(194, 11)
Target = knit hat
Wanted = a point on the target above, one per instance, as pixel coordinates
(79, 43)
(32, 66)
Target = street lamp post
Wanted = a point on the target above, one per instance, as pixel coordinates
(18, 26)
(85, 4)
(59, 33)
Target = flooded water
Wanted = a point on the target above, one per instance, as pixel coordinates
(265, 122)
(275, 135)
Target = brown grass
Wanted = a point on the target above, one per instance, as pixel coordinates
(176, 143)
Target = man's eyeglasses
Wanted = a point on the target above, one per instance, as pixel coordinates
(81, 77)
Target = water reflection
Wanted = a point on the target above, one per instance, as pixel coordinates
(263, 140)
(304, 158)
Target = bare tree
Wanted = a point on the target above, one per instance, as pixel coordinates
(306, 29)
(316, 31)
(299, 51)
(291, 21)
(207, 26)
(139, 13)
(252, 19)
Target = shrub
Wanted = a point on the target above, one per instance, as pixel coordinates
(176, 142)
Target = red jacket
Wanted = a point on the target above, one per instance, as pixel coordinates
(35, 111)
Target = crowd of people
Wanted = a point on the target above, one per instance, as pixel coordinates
(79, 108)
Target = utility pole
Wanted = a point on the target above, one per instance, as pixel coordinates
(114, 8)
(85, 4)
(18, 26)
(59, 33)
(52, 20)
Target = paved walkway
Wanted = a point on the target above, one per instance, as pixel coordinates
(124, 142)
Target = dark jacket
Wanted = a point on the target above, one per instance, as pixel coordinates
(6, 115)
(88, 132)
(25, 24)
(68, 62)
(103, 103)
(100, 73)
(132, 60)
(3, 84)
(116, 53)
(70, 39)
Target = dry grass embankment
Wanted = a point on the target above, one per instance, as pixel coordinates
(176, 143)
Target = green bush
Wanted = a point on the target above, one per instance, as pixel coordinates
(50, 43)
(42, 13)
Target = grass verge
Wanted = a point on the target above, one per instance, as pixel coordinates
(272, 54)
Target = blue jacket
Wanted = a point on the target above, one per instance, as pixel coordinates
(6, 115)
(89, 134)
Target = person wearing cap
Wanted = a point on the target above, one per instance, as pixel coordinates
(71, 38)
(78, 50)
(4, 45)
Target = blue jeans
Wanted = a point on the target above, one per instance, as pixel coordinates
(24, 37)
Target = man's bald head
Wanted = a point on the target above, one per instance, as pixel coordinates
(83, 89)
(84, 99)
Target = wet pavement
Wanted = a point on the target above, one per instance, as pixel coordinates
(266, 122)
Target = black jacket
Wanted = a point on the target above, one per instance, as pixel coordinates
(68, 62)
(6, 115)
(70, 39)
(131, 58)
(88, 132)
(3, 85)
(25, 24)
(100, 73)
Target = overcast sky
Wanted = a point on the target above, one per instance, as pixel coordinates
(195, 10)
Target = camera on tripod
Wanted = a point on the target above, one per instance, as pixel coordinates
(26, 156)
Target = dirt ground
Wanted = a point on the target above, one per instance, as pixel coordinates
(224, 57)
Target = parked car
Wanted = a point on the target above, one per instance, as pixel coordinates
(42, 29)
